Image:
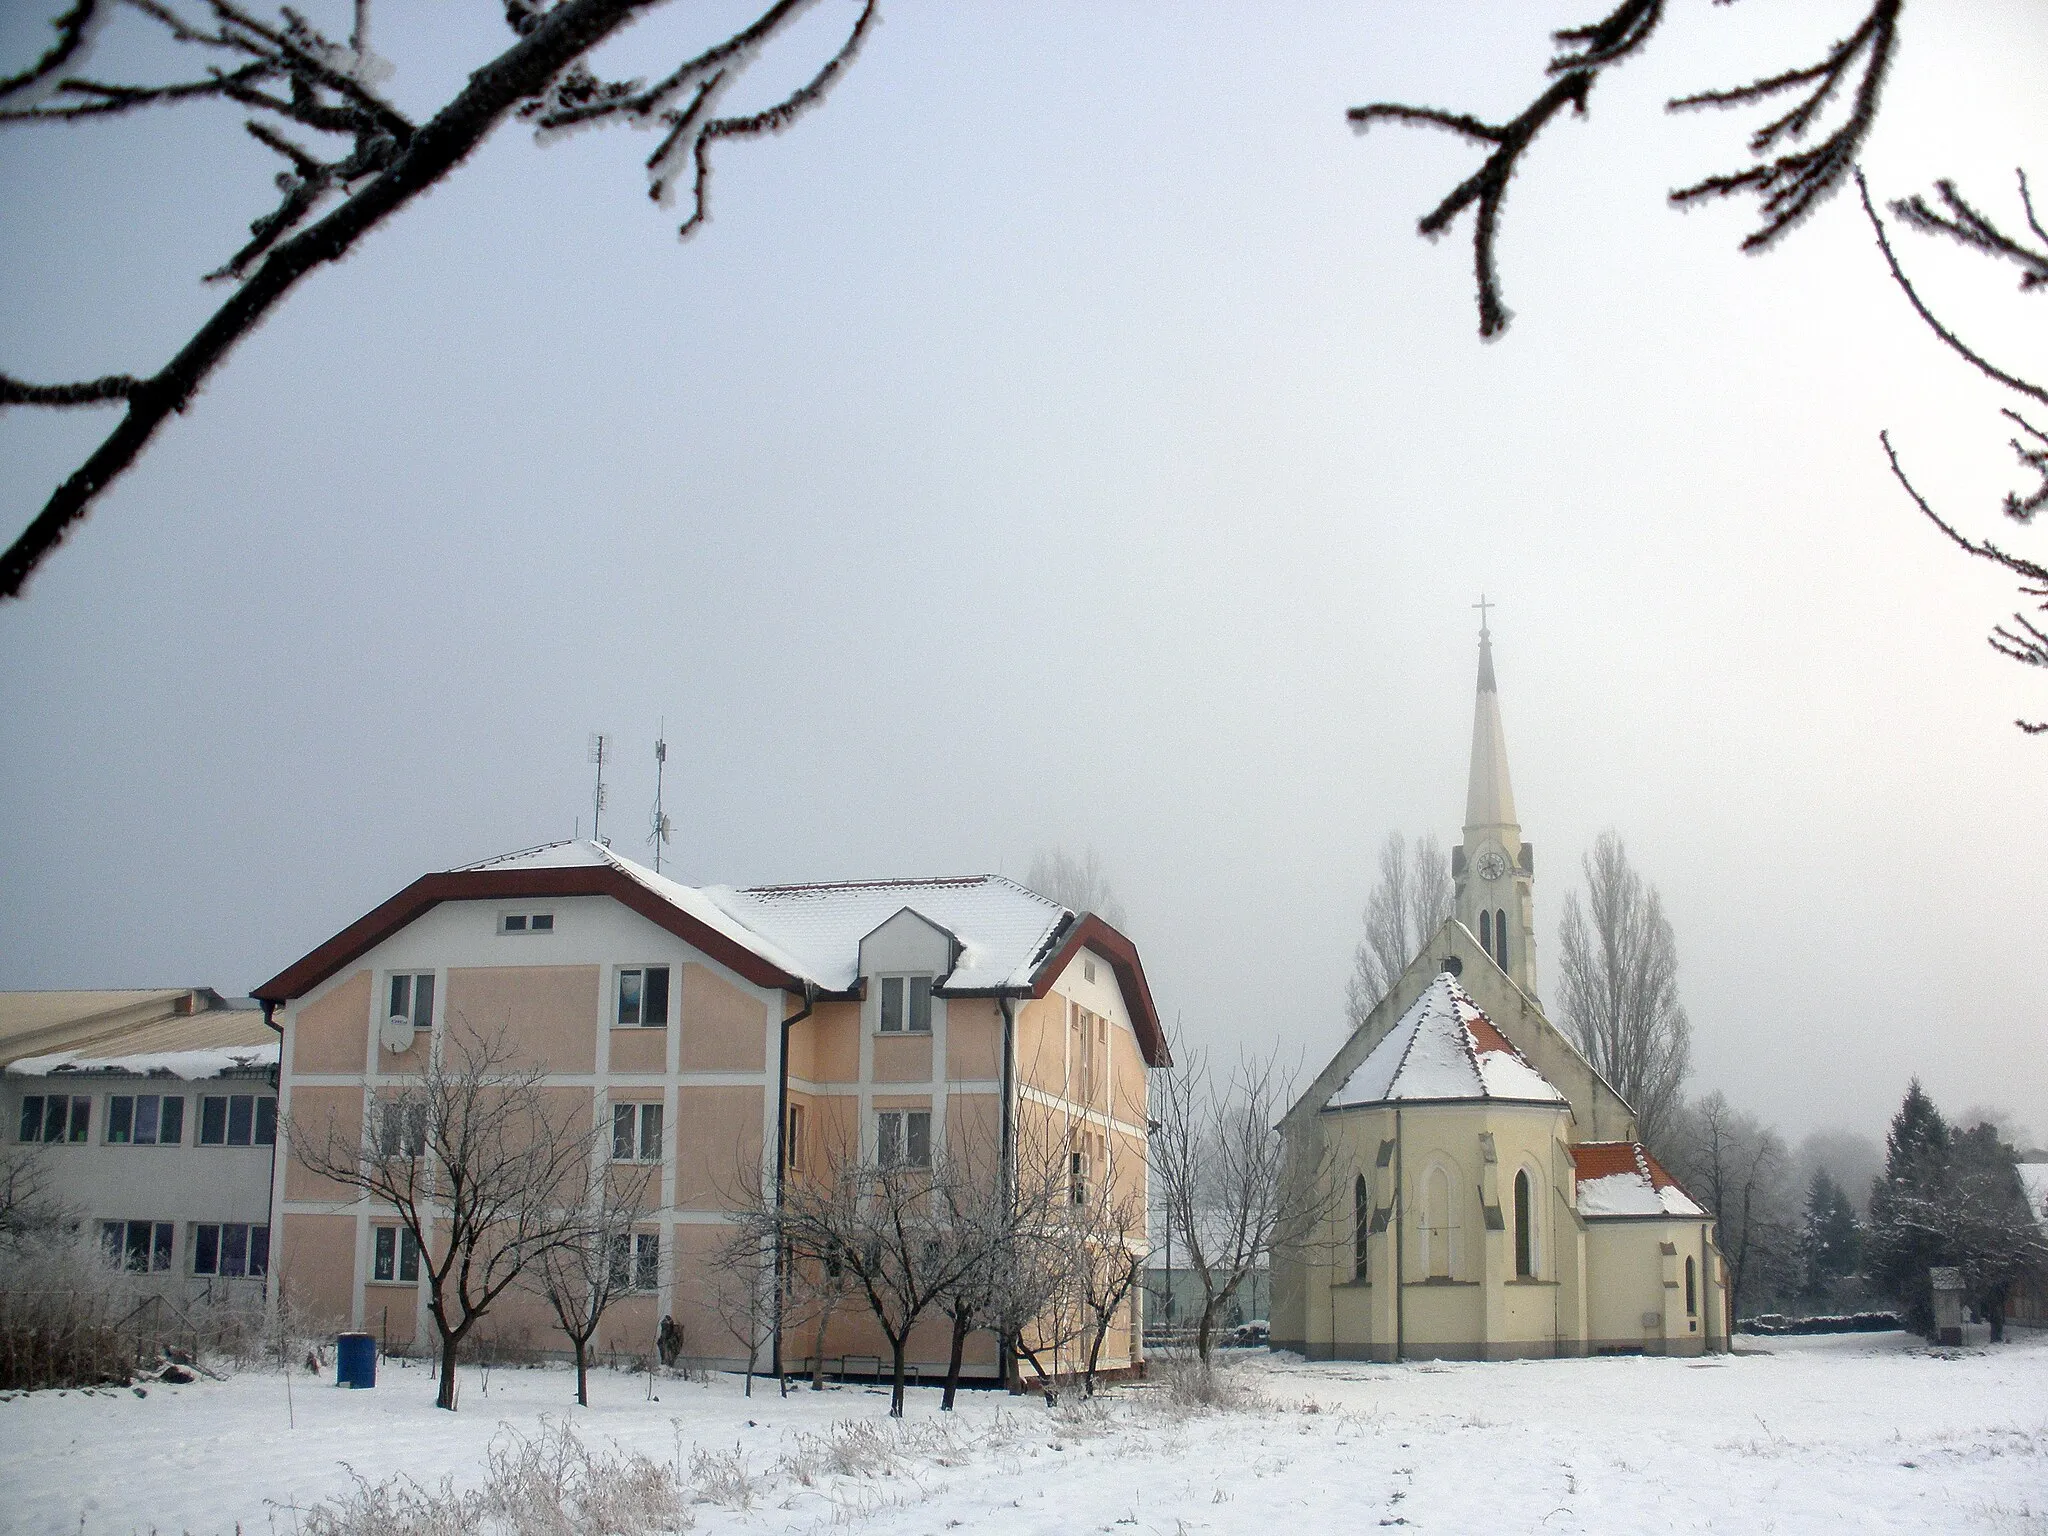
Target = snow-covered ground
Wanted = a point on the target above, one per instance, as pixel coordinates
(1860, 1433)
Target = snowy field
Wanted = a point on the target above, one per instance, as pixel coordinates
(1861, 1433)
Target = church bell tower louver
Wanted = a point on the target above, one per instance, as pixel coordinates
(1493, 870)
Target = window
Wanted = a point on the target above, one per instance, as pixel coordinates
(1486, 930)
(55, 1117)
(643, 996)
(412, 997)
(1088, 970)
(636, 1133)
(237, 1120)
(1692, 1289)
(395, 1257)
(401, 1126)
(1361, 1225)
(1525, 1235)
(907, 1004)
(903, 1138)
(231, 1248)
(1439, 1230)
(1500, 937)
(636, 1261)
(1091, 1049)
(526, 922)
(1077, 1177)
(793, 1138)
(140, 1246)
(145, 1120)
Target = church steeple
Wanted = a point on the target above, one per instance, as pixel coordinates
(1493, 869)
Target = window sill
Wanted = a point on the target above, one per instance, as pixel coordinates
(1530, 1280)
(1438, 1282)
(394, 1285)
(902, 1034)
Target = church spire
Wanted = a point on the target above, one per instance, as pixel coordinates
(1494, 870)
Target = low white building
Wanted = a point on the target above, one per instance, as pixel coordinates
(151, 1120)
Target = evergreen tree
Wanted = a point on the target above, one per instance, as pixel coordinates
(1991, 1231)
(1831, 1238)
(1903, 1240)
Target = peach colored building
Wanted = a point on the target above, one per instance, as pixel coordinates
(716, 1031)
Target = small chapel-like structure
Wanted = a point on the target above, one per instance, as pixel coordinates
(1481, 1193)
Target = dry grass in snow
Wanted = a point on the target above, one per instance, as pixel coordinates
(1863, 1433)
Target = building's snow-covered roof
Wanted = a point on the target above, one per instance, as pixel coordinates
(1620, 1178)
(813, 932)
(105, 1025)
(1444, 1047)
(1004, 930)
(686, 899)
(190, 1066)
(2034, 1180)
(797, 937)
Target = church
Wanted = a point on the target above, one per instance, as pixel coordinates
(1479, 1191)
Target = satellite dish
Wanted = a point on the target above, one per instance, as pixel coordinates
(397, 1034)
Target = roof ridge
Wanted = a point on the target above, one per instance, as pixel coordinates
(873, 885)
(1394, 1078)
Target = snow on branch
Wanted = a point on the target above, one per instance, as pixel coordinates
(290, 76)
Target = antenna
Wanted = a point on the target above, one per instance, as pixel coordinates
(659, 835)
(600, 749)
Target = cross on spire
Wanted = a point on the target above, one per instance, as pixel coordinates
(1482, 605)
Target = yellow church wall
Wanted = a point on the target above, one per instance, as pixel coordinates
(1460, 1297)
(1639, 1300)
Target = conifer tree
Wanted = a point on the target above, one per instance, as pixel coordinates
(1902, 1244)
(1831, 1238)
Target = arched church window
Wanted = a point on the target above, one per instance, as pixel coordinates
(1436, 1224)
(1486, 931)
(1692, 1294)
(1361, 1225)
(1500, 936)
(1525, 1236)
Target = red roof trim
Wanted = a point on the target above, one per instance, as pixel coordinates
(1603, 1159)
(429, 891)
(1091, 932)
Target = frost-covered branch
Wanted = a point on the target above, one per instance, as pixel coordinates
(289, 76)
(1792, 182)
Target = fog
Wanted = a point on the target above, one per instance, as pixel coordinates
(1062, 438)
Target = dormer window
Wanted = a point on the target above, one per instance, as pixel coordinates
(906, 1005)
(526, 922)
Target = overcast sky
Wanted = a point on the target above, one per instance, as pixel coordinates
(1063, 437)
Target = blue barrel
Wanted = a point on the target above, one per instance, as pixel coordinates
(355, 1360)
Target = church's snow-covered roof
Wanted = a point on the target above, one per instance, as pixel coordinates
(2034, 1180)
(1620, 1178)
(1444, 1047)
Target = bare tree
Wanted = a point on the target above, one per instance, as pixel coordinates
(28, 1208)
(1405, 909)
(484, 1173)
(1800, 157)
(351, 158)
(1618, 987)
(1111, 1244)
(584, 1276)
(1740, 1167)
(1226, 1186)
(1078, 881)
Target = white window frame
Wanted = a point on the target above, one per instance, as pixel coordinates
(405, 996)
(636, 1261)
(639, 975)
(642, 1120)
(896, 1137)
(256, 1101)
(405, 1254)
(908, 990)
(253, 1268)
(77, 1119)
(524, 925)
(160, 1249)
(130, 1136)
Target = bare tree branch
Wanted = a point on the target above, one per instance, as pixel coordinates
(2030, 647)
(289, 71)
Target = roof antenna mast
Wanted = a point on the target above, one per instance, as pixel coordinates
(600, 749)
(659, 835)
